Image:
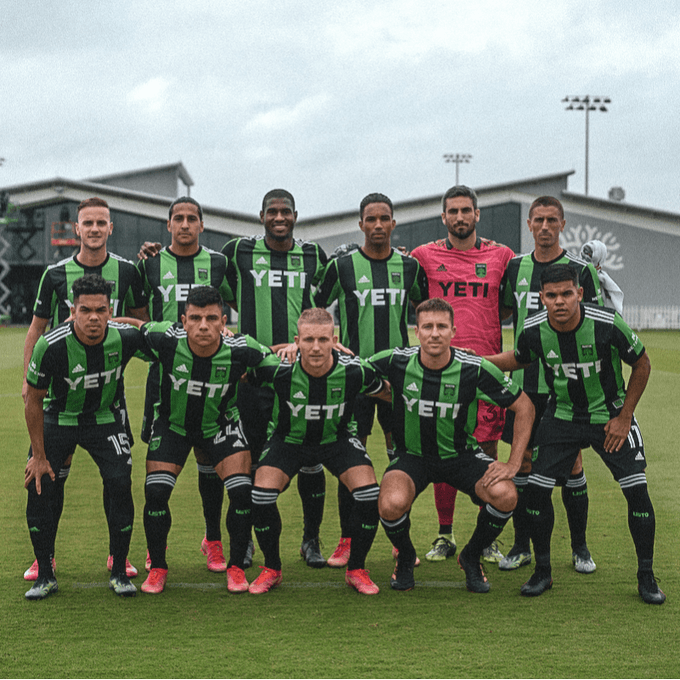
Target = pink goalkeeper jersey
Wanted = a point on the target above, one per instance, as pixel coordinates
(469, 281)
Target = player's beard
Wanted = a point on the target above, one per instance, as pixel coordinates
(461, 236)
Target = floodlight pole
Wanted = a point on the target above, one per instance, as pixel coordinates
(586, 103)
(457, 158)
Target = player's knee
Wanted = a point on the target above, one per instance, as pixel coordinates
(392, 504)
(121, 506)
(158, 488)
(503, 496)
(239, 489)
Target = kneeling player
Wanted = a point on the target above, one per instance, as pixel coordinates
(313, 406)
(200, 370)
(435, 391)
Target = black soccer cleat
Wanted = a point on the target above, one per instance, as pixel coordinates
(649, 589)
(311, 552)
(402, 578)
(475, 578)
(42, 588)
(539, 582)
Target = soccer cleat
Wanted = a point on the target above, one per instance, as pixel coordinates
(475, 578)
(402, 578)
(539, 582)
(130, 571)
(492, 553)
(121, 585)
(510, 561)
(361, 582)
(31, 574)
(155, 581)
(395, 555)
(340, 555)
(236, 580)
(268, 579)
(311, 552)
(583, 562)
(649, 588)
(250, 553)
(442, 548)
(42, 588)
(213, 551)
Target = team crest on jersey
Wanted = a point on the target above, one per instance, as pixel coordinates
(154, 443)
(336, 391)
(618, 403)
(113, 286)
(295, 260)
(396, 277)
(202, 273)
(220, 371)
(480, 269)
(112, 357)
(441, 268)
(449, 390)
(587, 350)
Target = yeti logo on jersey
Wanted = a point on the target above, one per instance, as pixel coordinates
(197, 388)
(380, 297)
(426, 408)
(112, 357)
(317, 412)
(572, 370)
(202, 273)
(279, 278)
(179, 290)
(91, 381)
(396, 277)
(480, 269)
(449, 390)
(587, 350)
(528, 300)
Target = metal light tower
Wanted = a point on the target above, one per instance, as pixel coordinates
(457, 158)
(586, 103)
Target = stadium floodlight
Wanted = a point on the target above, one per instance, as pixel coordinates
(586, 103)
(457, 158)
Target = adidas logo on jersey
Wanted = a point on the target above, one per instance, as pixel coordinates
(169, 275)
(413, 387)
(299, 395)
(364, 279)
(238, 442)
(262, 260)
(441, 268)
(523, 282)
(78, 369)
(551, 355)
(639, 456)
(182, 369)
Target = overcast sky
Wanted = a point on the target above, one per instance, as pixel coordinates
(336, 100)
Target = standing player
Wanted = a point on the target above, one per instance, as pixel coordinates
(521, 294)
(272, 276)
(373, 286)
(581, 348)
(466, 271)
(55, 299)
(168, 277)
(74, 390)
(313, 407)
(436, 391)
(199, 372)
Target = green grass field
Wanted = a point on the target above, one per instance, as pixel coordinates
(313, 625)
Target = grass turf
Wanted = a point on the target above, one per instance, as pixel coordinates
(315, 626)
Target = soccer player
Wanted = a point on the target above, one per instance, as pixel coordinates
(168, 277)
(55, 299)
(199, 372)
(466, 271)
(74, 390)
(521, 295)
(313, 406)
(272, 276)
(373, 286)
(436, 391)
(581, 347)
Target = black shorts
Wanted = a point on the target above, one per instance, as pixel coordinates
(168, 446)
(108, 444)
(364, 413)
(337, 457)
(255, 405)
(559, 441)
(462, 472)
(540, 402)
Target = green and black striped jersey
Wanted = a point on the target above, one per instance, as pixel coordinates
(271, 287)
(55, 297)
(84, 383)
(168, 278)
(373, 298)
(313, 411)
(520, 291)
(198, 394)
(583, 366)
(435, 411)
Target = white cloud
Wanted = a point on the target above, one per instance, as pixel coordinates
(283, 117)
(152, 94)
